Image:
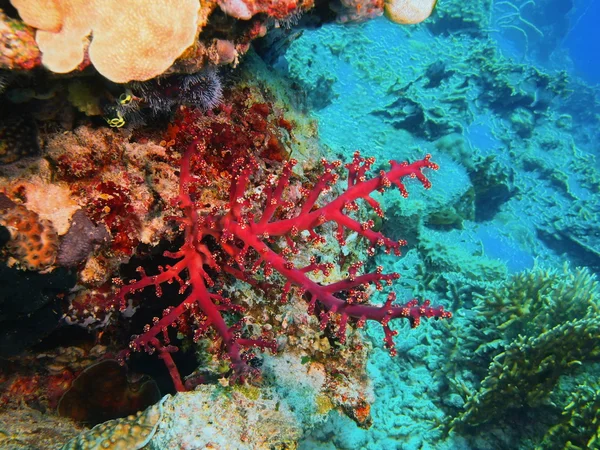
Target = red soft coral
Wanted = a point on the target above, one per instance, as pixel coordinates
(245, 232)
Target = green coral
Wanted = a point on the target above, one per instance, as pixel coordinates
(533, 301)
(580, 425)
(526, 372)
(539, 324)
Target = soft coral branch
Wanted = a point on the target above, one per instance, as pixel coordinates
(245, 240)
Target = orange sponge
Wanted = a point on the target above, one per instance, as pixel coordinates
(34, 242)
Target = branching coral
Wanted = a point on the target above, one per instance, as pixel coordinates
(526, 372)
(580, 425)
(540, 325)
(248, 236)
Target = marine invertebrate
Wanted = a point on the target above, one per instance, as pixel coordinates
(408, 11)
(122, 30)
(526, 372)
(202, 90)
(34, 242)
(246, 229)
(580, 425)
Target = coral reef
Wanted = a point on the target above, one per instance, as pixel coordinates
(579, 426)
(527, 370)
(176, 174)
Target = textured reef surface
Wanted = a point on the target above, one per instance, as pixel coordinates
(296, 224)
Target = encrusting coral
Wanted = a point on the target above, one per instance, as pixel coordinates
(129, 433)
(34, 241)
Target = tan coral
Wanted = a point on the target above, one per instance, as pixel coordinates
(408, 11)
(40, 14)
(126, 35)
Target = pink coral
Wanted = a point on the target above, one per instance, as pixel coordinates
(246, 234)
(245, 9)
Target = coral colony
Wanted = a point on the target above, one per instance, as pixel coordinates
(246, 230)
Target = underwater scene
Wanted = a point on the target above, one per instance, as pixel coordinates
(299, 224)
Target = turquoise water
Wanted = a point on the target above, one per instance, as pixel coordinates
(535, 221)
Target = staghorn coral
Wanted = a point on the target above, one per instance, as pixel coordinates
(579, 428)
(537, 326)
(534, 301)
(525, 373)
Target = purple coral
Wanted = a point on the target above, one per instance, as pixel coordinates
(80, 240)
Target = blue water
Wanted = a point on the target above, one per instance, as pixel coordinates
(583, 40)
